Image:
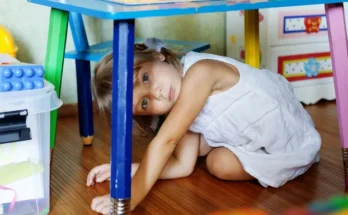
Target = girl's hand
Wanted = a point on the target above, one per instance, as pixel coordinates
(99, 174)
(101, 204)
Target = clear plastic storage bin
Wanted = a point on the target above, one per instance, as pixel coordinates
(25, 150)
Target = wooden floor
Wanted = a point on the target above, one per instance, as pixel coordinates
(199, 193)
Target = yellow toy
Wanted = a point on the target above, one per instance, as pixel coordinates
(7, 44)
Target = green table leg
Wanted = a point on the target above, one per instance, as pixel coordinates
(57, 33)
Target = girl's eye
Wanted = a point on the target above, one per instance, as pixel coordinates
(144, 104)
(145, 78)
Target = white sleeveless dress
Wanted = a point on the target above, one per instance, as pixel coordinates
(261, 121)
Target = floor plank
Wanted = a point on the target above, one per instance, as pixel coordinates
(199, 193)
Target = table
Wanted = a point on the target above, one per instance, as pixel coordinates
(124, 17)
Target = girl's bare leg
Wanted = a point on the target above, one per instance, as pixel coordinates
(223, 164)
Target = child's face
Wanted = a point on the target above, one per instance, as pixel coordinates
(157, 88)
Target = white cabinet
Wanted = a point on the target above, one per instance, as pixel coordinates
(294, 43)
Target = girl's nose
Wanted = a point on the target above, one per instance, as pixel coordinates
(156, 93)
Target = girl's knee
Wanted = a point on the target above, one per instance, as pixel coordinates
(217, 164)
(223, 164)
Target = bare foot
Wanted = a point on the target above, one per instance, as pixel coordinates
(99, 174)
(101, 204)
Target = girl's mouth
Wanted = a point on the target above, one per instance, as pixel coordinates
(170, 93)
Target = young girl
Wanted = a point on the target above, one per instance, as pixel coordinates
(247, 121)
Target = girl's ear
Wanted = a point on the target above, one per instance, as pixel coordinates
(159, 56)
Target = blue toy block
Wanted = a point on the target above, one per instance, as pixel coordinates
(18, 77)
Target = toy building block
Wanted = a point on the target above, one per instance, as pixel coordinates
(241, 211)
(337, 205)
(297, 211)
(18, 77)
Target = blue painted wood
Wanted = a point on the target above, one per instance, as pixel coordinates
(84, 95)
(83, 76)
(98, 51)
(122, 100)
(78, 31)
(110, 10)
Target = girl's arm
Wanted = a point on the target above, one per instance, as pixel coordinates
(183, 160)
(180, 164)
(196, 88)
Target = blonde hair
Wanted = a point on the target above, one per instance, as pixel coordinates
(102, 81)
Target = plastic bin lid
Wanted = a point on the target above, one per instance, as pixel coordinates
(13, 97)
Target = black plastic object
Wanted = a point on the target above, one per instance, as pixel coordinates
(13, 127)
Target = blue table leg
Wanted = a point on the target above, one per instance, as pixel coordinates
(122, 100)
(84, 95)
(83, 77)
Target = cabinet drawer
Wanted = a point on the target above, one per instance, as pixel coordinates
(297, 25)
(305, 64)
(308, 68)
